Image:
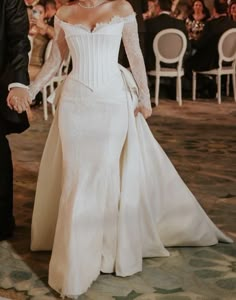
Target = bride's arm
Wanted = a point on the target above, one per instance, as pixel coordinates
(51, 66)
(136, 61)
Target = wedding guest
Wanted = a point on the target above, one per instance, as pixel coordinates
(197, 19)
(41, 33)
(31, 3)
(14, 76)
(163, 20)
(181, 9)
(40, 23)
(232, 10)
(50, 11)
(151, 12)
(140, 7)
(206, 56)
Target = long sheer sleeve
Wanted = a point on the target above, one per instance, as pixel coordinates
(51, 66)
(132, 47)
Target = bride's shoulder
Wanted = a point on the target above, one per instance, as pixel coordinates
(65, 10)
(123, 7)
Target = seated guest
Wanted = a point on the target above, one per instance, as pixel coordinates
(40, 20)
(181, 9)
(39, 38)
(59, 3)
(41, 33)
(140, 7)
(50, 11)
(232, 10)
(151, 12)
(197, 19)
(162, 21)
(206, 56)
(31, 3)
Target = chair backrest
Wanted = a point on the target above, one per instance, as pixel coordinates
(169, 46)
(66, 64)
(227, 46)
(64, 68)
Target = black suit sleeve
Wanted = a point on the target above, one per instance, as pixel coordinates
(184, 30)
(18, 46)
(144, 6)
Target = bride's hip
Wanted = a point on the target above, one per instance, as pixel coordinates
(111, 91)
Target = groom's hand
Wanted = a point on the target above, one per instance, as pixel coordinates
(18, 99)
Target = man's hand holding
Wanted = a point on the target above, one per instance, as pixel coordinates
(18, 99)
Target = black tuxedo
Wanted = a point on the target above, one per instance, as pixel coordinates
(140, 7)
(206, 56)
(154, 26)
(13, 68)
(13, 59)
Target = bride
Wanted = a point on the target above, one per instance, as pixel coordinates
(107, 195)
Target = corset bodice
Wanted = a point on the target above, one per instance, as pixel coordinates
(94, 52)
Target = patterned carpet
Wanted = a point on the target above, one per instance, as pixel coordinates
(201, 142)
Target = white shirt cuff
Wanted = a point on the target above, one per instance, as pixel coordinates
(17, 85)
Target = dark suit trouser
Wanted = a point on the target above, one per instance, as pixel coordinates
(6, 187)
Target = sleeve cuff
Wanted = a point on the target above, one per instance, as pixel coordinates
(17, 85)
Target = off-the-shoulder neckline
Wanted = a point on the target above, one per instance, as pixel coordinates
(113, 20)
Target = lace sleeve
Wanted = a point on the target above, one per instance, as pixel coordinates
(132, 47)
(51, 66)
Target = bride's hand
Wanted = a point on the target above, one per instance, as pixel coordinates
(146, 112)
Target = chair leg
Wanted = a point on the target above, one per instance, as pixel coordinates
(194, 85)
(177, 90)
(53, 109)
(227, 85)
(45, 106)
(157, 90)
(179, 84)
(219, 89)
(234, 85)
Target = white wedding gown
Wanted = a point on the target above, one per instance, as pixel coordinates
(107, 195)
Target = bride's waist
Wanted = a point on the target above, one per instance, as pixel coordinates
(112, 87)
(94, 75)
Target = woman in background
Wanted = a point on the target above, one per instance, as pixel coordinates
(151, 12)
(232, 10)
(197, 19)
(40, 33)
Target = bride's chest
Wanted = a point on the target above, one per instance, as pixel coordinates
(102, 30)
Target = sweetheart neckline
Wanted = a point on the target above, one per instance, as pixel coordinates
(113, 20)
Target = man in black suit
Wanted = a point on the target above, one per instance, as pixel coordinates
(206, 56)
(162, 21)
(140, 7)
(14, 77)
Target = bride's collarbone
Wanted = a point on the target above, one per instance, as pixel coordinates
(88, 21)
(89, 18)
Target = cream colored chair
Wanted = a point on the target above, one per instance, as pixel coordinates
(227, 53)
(169, 46)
